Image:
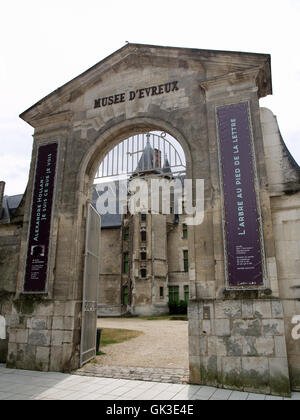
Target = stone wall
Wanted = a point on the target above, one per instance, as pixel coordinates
(42, 334)
(9, 259)
(284, 188)
(240, 345)
(109, 289)
(286, 223)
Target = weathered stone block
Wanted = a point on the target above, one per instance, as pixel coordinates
(203, 345)
(280, 346)
(59, 309)
(249, 346)
(194, 367)
(26, 357)
(234, 346)
(279, 377)
(247, 328)
(69, 361)
(231, 373)
(277, 309)
(265, 346)
(209, 371)
(44, 309)
(39, 338)
(262, 309)
(207, 327)
(19, 336)
(68, 337)
(247, 309)
(42, 357)
(56, 358)
(58, 323)
(255, 374)
(228, 309)
(222, 327)
(37, 324)
(12, 321)
(194, 326)
(193, 310)
(206, 289)
(11, 355)
(216, 346)
(57, 337)
(194, 345)
(273, 327)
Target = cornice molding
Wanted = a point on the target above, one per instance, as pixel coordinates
(235, 82)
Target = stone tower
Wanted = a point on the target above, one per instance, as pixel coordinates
(148, 272)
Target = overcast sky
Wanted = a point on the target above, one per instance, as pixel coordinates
(44, 44)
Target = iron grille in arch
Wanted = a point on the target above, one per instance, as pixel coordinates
(142, 153)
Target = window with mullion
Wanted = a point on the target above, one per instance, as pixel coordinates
(184, 231)
(186, 294)
(126, 234)
(173, 294)
(186, 261)
(143, 236)
(126, 263)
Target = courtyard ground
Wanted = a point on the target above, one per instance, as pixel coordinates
(163, 344)
(159, 354)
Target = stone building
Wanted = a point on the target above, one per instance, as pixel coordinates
(243, 308)
(145, 255)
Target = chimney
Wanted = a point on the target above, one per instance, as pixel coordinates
(2, 186)
(157, 158)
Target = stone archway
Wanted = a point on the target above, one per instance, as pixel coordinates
(235, 332)
(91, 162)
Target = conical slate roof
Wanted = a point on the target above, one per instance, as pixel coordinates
(151, 161)
(166, 168)
(146, 162)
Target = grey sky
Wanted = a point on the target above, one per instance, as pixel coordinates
(44, 44)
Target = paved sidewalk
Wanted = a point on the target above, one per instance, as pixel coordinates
(30, 385)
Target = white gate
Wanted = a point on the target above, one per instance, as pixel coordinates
(90, 287)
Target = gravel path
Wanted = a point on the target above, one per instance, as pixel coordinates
(164, 344)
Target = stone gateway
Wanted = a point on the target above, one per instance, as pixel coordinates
(240, 266)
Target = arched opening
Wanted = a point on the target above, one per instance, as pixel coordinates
(144, 275)
(141, 245)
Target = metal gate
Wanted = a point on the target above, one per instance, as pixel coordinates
(90, 287)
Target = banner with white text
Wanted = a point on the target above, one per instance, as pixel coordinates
(40, 224)
(243, 242)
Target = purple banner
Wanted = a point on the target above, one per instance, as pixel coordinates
(40, 223)
(242, 230)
